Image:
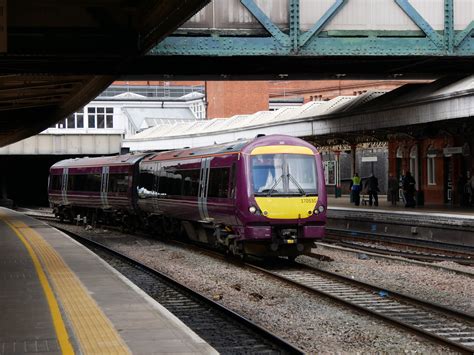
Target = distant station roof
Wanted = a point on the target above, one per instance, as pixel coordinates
(409, 105)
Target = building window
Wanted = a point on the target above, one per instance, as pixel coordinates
(74, 120)
(431, 166)
(91, 117)
(100, 117)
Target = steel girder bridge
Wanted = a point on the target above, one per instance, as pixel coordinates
(347, 39)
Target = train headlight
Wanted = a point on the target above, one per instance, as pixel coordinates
(321, 209)
(253, 209)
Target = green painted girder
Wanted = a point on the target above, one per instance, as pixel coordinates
(316, 42)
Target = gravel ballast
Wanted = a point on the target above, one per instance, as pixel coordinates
(312, 323)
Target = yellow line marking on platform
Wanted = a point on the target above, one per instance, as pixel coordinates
(58, 322)
(94, 331)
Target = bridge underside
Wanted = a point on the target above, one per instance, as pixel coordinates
(55, 56)
(298, 68)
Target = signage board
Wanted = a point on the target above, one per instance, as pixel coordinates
(369, 159)
(452, 150)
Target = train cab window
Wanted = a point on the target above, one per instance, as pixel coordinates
(56, 182)
(218, 182)
(118, 182)
(284, 174)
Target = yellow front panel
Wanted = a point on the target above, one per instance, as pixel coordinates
(287, 207)
(282, 149)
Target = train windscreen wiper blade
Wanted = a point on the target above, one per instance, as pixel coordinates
(274, 185)
(300, 189)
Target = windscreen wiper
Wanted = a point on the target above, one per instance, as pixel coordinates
(300, 189)
(274, 185)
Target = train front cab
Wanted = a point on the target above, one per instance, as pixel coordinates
(284, 207)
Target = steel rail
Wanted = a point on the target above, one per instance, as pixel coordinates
(247, 336)
(465, 253)
(445, 325)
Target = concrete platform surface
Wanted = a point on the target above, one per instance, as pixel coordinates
(59, 297)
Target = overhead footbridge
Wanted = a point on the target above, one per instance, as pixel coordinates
(302, 39)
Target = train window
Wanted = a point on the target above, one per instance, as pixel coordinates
(190, 182)
(92, 182)
(232, 181)
(56, 182)
(118, 182)
(84, 182)
(146, 180)
(76, 182)
(218, 182)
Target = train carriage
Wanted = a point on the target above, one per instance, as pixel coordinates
(94, 187)
(264, 196)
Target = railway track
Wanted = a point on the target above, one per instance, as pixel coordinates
(441, 324)
(403, 247)
(222, 328)
(444, 325)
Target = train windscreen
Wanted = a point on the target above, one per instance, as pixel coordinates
(284, 174)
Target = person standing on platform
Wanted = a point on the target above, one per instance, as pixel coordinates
(470, 190)
(409, 190)
(355, 188)
(372, 186)
(393, 187)
(463, 191)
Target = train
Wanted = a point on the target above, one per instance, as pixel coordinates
(264, 196)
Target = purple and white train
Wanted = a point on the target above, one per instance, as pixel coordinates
(265, 196)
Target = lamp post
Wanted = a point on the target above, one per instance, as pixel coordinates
(337, 174)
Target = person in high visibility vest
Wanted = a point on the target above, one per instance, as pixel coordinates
(355, 188)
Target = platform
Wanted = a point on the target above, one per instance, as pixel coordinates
(58, 297)
(443, 224)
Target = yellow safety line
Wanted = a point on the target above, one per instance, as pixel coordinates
(94, 331)
(58, 322)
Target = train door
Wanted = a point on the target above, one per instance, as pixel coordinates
(155, 200)
(104, 186)
(64, 186)
(203, 188)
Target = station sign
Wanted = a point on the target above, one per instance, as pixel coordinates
(369, 159)
(448, 151)
(3, 26)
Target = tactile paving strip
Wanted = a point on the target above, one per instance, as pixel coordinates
(95, 333)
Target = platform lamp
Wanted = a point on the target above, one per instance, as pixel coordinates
(337, 174)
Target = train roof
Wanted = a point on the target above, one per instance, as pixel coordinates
(126, 159)
(225, 148)
(215, 149)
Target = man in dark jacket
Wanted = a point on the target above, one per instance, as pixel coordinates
(393, 186)
(409, 189)
(372, 186)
